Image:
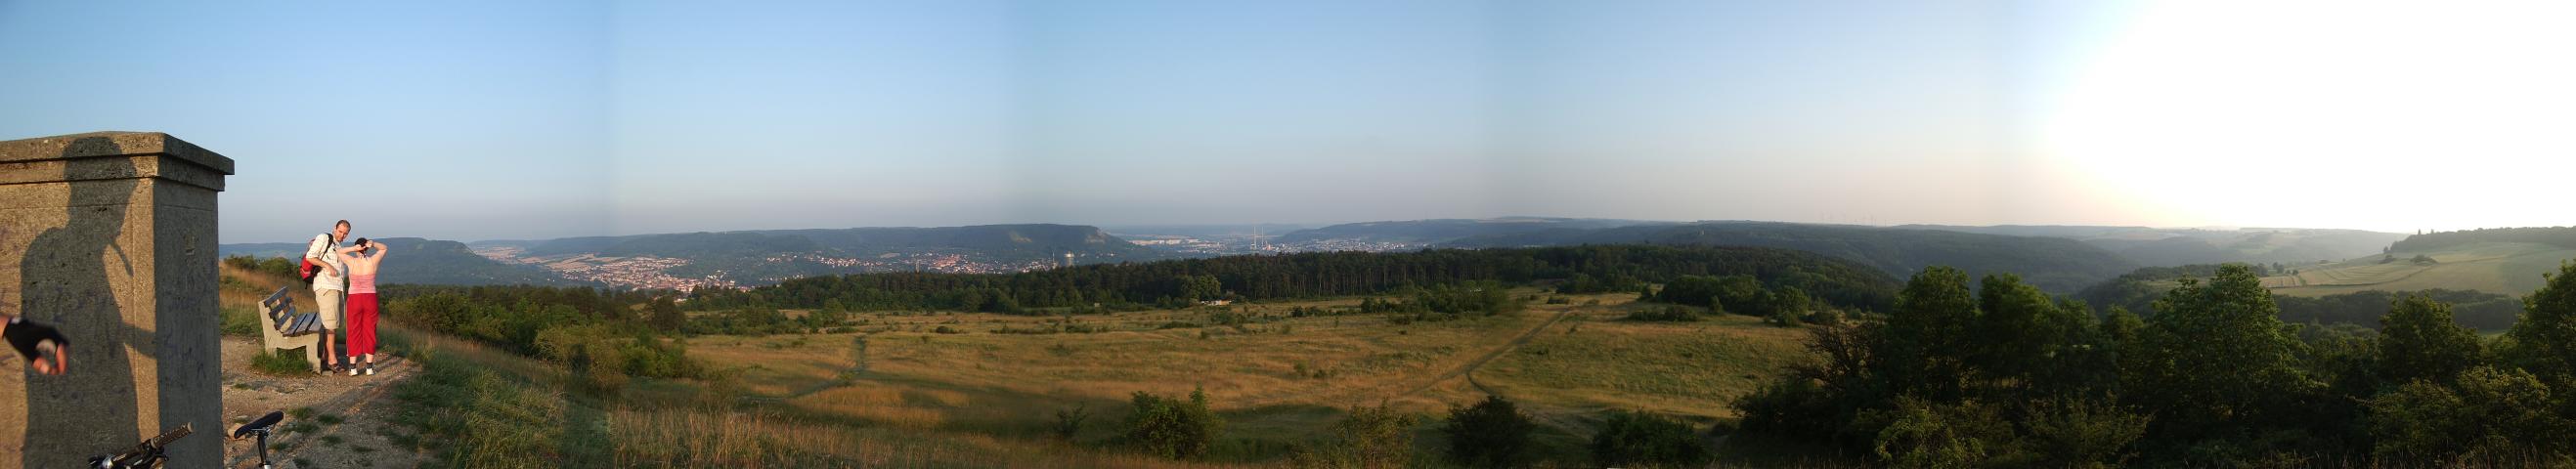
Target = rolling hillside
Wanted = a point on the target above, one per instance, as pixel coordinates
(2495, 267)
(425, 261)
(1036, 241)
(753, 258)
(1444, 230)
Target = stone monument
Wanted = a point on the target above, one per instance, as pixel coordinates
(110, 236)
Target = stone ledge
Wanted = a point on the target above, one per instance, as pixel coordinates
(126, 144)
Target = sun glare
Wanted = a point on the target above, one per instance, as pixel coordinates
(2370, 115)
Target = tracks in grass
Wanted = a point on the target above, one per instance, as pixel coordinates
(1468, 370)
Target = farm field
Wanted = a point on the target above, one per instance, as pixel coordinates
(2504, 268)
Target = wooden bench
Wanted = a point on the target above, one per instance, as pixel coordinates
(284, 328)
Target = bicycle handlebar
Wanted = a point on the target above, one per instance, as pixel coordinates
(145, 454)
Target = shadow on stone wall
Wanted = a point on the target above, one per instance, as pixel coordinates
(65, 280)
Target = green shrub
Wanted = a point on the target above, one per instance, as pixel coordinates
(1638, 438)
(2491, 413)
(1370, 437)
(1490, 434)
(2081, 434)
(1172, 428)
(1784, 317)
(1925, 434)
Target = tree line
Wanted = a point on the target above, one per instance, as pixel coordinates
(1304, 275)
(2000, 375)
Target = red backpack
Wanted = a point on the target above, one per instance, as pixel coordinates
(310, 269)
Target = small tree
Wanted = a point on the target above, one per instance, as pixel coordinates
(1068, 422)
(1490, 434)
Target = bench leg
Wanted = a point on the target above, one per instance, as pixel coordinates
(313, 355)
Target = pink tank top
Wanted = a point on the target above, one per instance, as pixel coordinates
(362, 284)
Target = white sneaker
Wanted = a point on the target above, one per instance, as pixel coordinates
(371, 370)
(353, 370)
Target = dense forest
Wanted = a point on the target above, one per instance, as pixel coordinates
(2562, 236)
(1305, 275)
(2000, 375)
(2054, 264)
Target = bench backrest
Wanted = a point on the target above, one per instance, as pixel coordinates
(277, 304)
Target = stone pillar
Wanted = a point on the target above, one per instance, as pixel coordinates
(110, 236)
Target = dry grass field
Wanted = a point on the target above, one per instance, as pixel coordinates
(899, 391)
(1278, 381)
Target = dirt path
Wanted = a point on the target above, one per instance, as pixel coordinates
(1560, 418)
(1470, 367)
(858, 367)
(347, 421)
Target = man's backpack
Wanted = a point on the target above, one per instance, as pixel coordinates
(310, 269)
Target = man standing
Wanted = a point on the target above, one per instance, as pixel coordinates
(328, 289)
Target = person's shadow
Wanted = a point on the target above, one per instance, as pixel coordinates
(64, 280)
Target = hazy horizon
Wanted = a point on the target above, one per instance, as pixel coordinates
(503, 120)
(1148, 228)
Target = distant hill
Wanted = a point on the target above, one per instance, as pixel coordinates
(2561, 236)
(2184, 246)
(1444, 230)
(286, 250)
(767, 256)
(2055, 264)
(425, 262)
(1033, 241)
(435, 262)
(681, 245)
(1208, 231)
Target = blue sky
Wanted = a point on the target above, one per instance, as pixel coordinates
(502, 120)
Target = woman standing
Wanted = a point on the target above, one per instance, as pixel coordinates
(362, 303)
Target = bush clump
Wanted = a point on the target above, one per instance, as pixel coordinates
(1172, 428)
